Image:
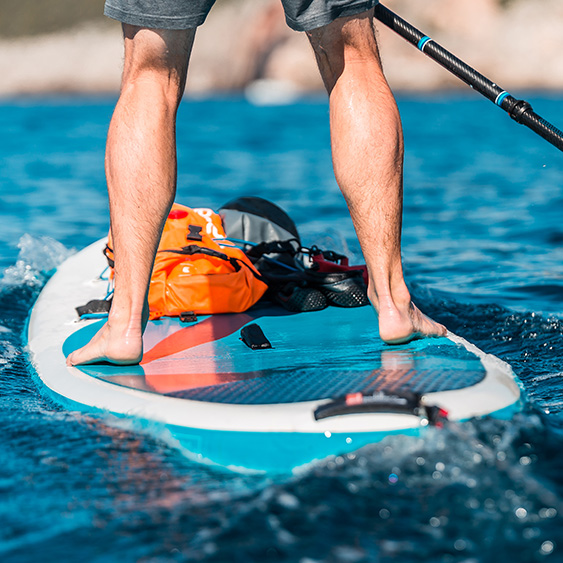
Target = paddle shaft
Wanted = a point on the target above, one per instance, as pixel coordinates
(520, 110)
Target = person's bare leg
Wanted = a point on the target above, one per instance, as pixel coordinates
(367, 152)
(141, 176)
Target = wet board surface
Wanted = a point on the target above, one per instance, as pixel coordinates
(207, 392)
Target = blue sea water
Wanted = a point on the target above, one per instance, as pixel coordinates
(483, 234)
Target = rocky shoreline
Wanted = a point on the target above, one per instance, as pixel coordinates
(246, 45)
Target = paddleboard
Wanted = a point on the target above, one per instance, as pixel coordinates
(327, 386)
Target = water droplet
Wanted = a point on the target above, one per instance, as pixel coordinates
(436, 475)
(547, 547)
(547, 513)
(393, 478)
(440, 466)
(328, 434)
(501, 456)
(460, 544)
(348, 440)
(434, 522)
(420, 461)
(384, 514)
(472, 503)
(525, 460)
(521, 512)
(288, 501)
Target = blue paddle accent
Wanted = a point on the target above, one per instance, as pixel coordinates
(421, 44)
(500, 98)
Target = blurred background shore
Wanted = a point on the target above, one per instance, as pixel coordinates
(64, 46)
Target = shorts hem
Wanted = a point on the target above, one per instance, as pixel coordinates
(154, 21)
(325, 18)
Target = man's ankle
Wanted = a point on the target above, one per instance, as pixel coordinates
(398, 297)
(124, 319)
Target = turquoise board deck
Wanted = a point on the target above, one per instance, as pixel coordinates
(316, 355)
(203, 389)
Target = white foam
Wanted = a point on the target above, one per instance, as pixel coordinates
(9, 352)
(38, 256)
(490, 362)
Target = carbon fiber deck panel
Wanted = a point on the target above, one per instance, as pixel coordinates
(306, 385)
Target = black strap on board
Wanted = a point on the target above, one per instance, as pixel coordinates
(94, 307)
(253, 336)
(381, 402)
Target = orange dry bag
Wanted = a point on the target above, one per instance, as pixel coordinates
(193, 272)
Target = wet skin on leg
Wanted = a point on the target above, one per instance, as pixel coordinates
(367, 153)
(141, 177)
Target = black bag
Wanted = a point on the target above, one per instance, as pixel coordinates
(271, 240)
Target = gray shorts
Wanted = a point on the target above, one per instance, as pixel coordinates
(301, 15)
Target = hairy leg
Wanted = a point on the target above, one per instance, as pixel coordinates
(141, 177)
(367, 152)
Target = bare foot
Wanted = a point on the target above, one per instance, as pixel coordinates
(114, 344)
(117, 342)
(400, 324)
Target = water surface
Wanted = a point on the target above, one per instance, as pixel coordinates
(482, 253)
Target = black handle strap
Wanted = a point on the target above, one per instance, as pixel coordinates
(381, 402)
(274, 247)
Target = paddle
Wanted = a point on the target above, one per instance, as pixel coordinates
(520, 110)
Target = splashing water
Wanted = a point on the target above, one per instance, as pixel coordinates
(38, 258)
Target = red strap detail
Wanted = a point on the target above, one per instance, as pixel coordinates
(326, 266)
(354, 399)
(177, 214)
